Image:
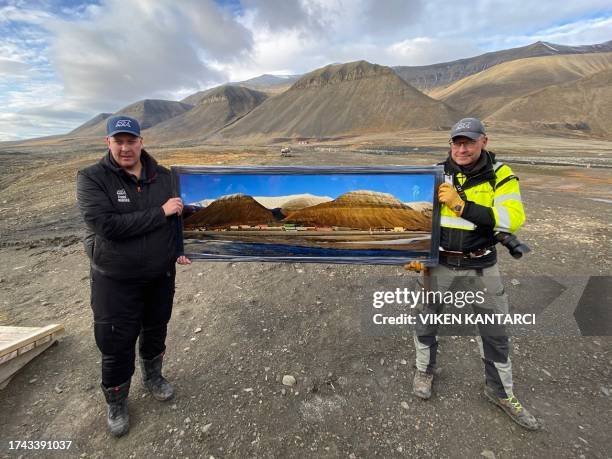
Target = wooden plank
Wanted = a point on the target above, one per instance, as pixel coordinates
(8, 370)
(10, 334)
(30, 336)
(17, 329)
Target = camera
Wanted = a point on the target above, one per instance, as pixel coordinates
(514, 245)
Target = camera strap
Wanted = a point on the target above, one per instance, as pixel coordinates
(459, 188)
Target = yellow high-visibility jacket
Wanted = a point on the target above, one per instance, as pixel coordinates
(493, 204)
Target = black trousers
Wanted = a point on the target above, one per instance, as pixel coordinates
(127, 310)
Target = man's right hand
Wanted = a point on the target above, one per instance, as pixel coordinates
(415, 266)
(173, 206)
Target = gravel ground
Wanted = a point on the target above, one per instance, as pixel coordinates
(239, 328)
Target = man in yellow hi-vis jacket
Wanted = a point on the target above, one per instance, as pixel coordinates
(482, 199)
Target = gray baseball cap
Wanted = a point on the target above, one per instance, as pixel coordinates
(468, 127)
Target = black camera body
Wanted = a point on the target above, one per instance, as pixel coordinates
(514, 245)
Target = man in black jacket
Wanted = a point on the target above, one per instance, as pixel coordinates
(127, 202)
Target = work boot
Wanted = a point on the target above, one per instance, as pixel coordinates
(153, 380)
(421, 385)
(117, 416)
(513, 408)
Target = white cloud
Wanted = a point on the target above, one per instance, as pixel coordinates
(426, 50)
(391, 17)
(19, 13)
(585, 32)
(145, 51)
(14, 126)
(11, 67)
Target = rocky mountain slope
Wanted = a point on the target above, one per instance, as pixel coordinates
(220, 107)
(484, 93)
(353, 98)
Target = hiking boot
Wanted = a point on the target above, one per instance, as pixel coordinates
(513, 408)
(153, 380)
(421, 385)
(117, 416)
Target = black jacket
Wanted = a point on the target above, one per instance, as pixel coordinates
(128, 234)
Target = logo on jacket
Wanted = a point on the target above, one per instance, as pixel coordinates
(122, 196)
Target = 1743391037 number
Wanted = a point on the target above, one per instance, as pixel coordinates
(40, 444)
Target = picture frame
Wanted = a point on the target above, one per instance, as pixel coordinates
(385, 215)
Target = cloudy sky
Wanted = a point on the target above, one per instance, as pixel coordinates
(64, 61)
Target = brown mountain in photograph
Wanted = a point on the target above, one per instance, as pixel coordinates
(233, 209)
(352, 98)
(219, 108)
(486, 92)
(148, 112)
(425, 207)
(427, 77)
(364, 210)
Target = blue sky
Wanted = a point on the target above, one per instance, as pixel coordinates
(406, 189)
(64, 61)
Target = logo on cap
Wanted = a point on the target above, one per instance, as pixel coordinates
(464, 125)
(123, 123)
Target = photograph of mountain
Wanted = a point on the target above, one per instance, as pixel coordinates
(343, 215)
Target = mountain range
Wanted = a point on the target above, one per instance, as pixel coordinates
(427, 77)
(360, 209)
(546, 87)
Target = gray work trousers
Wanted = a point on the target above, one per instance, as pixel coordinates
(494, 348)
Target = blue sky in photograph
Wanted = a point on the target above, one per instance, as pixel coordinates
(405, 188)
(64, 61)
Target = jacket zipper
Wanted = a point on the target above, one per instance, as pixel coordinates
(143, 242)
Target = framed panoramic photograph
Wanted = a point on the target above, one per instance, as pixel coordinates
(367, 215)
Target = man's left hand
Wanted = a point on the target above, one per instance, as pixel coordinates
(183, 260)
(448, 195)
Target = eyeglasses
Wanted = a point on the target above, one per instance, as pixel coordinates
(461, 143)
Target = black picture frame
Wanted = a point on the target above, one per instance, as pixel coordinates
(383, 256)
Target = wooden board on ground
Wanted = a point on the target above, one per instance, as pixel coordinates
(19, 345)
